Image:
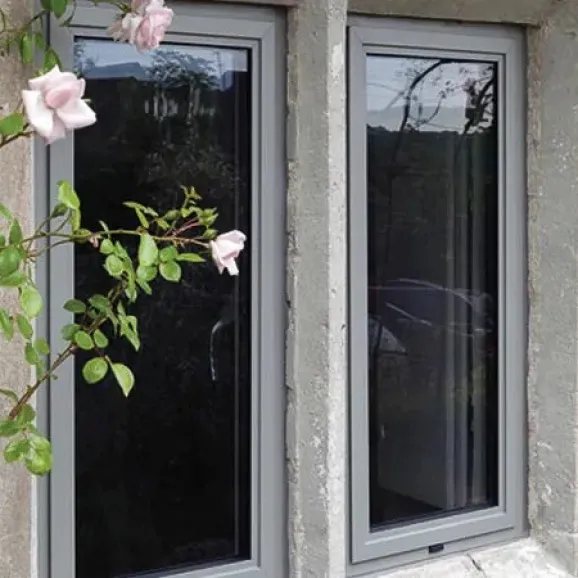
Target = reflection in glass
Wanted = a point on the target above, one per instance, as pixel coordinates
(433, 286)
(163, 478)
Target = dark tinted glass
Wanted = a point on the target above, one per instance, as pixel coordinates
(433, 286)
(163, 478)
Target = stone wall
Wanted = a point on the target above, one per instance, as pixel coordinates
(15, 193)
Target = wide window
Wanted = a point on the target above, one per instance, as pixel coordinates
(437, 287)
(185, 477)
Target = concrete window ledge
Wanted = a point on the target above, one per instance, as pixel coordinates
(520, 559)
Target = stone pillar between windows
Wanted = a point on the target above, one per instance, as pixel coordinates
(15, 193)
(553, 270)
(316, 268)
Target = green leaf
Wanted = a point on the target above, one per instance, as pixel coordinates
(30, 354)
(38, 460)
(146, 273)
(124, 376)
(94, 370)
(59, 211)
(67, 196)
(51, 59)
(39, 442)
(170, 271)
(142, 219)
(2, 240)
(9, 261)
(26, 48)
(58, 7)
(30, 300)
(41, 346)
(68, 331)
(83, 340)
(100, 339)
(190, 258)
(15, 236)
(148, 251)
(26, 415)
(172, 215)
(24, 326)
(8, 428)
(11, 125)
(144, 286)
(16, 279)
(168, 254)
(74, 219)
(106, 247)
(100, 302)
(16, 450)
(129, 330)
(4, 212)
(9, 394)
(114, 266)
(75, 306)
(82, 235)
(6, 324)
(145, 210)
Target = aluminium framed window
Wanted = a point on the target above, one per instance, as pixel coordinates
(185, 478)
(437, 289)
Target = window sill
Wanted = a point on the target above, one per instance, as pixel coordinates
(520, 559)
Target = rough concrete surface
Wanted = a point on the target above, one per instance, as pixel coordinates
(316, 353)
(523, 559)
(530, 12)
(15, 482)
(553, 243)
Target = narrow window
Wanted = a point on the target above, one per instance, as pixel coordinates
(185, 477)
(432, 192)
(437, 292)
(163, 479)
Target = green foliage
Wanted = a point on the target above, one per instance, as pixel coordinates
(12, 124)
(75, 306)
(124, 376)
(165, 242)
(147, 251)
(30, 300)
(83, 340)
(24, 326)
(6, 325)
(57, 7)
(171, 271)
(95, 370)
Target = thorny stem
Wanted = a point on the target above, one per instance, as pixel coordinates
(73, 238)
(31, 390)
(62, 357)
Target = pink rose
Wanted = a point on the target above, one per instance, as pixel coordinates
(225, 249)
(54, 104)
(145, 26)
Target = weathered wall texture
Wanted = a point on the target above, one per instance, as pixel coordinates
(511, 11)
(15, 483)
(316, 355)
(553, 241)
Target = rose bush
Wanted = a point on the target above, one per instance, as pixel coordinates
(53, 105)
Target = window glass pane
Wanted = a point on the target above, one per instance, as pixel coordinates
(163, 478)
(432, 286)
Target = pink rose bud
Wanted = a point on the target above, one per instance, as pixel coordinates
(225, 249)
(145, 26)
(54, 104)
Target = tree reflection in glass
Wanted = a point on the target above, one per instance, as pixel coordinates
(433, 286)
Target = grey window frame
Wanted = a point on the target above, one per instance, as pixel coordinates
(407, 543)
(259, 29)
